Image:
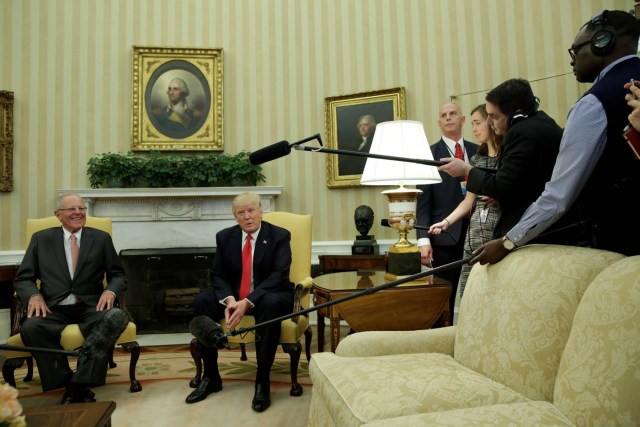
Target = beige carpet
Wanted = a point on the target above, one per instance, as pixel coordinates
(165, 371)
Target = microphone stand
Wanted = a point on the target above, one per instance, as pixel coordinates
(38, 350)
(377, 156)
(368, 291)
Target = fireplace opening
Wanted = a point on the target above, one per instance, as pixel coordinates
(162, 284)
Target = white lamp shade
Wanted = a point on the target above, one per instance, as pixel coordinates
(400, 138)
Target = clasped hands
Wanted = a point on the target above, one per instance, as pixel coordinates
(235, 311)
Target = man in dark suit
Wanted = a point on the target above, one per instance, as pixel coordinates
(263, 290)
(70, 262)
(439, 200)
(528, 154)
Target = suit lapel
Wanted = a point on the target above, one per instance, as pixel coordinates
(262, 243)
(86, 243)
(57, 244)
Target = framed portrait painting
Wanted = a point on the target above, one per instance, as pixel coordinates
(6, 140)
(177, 99)
(350, 122)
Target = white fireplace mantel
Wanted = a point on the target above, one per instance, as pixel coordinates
(146, 218)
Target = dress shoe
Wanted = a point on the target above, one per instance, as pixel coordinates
(77, 395)
(261, 400)
(205, 388)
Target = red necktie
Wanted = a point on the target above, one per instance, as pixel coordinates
(245, 282)
(74, 252)
(459, 154)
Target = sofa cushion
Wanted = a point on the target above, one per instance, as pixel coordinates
(357, 390)
(524, 414)
(599, 375)
(516, 315)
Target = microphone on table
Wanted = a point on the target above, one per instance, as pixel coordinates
(105, 333)
(277, 150)
(388, 223)
(98, 344)
(208, 332)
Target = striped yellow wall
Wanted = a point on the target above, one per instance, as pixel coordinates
(69, 64)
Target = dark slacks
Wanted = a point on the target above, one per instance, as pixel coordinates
(44, 332)
(270, 306)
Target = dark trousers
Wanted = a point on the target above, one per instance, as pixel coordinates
(444, 255)
(270, 306)
(44, 332)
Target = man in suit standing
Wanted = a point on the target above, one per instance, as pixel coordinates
(259, 286)
(70, 262)
(437, 201)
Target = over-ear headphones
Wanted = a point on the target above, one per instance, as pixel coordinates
(602, 41)
(516, 116)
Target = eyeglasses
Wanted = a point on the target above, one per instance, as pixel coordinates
(81, 209)
(573, 51)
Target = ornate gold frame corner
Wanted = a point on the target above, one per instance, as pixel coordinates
(154, 126)
(6, 140)
(342, 114)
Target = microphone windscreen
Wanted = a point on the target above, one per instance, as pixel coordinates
(271, 152)
(208, 332)
(105, 333)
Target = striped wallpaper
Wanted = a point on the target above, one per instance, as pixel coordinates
(69, 64)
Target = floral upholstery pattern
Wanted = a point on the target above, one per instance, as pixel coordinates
(599, 376)
(516, 317)
(503, 360)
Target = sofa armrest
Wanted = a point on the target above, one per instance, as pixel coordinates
(381, 343)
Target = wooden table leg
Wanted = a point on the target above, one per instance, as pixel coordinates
(335, 332)
(320, 332)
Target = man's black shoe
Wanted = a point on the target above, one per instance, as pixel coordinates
(205, 388)
(261, 400)
(77, 395)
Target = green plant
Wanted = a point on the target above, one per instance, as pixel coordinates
(241, 171)
(200, 170)
(113, 169)
(162, 170)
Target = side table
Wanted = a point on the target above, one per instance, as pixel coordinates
(95, 414)
(410, 306)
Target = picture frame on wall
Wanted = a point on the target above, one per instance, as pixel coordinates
(350, 122)
(177, 99)
(6, 140)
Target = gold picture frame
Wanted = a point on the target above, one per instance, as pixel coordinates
(163, 121)
(6, 140)
(342, 115)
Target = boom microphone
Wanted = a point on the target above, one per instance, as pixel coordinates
(105, 333)
(387, 223)
(277, 150)
(208, 332)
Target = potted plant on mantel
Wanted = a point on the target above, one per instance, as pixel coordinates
(157, 170)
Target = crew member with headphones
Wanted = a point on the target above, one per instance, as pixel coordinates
(531, 140)
(596, 172)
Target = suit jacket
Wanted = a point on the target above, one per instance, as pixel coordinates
(439, 200)
(528, 154)
(271, 262)
(45, 260)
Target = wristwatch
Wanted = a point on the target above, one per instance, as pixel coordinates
(508, 244)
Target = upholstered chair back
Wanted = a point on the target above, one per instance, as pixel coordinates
(599, 376)
(515, 320)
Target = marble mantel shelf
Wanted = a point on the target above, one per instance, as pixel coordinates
(168, 217)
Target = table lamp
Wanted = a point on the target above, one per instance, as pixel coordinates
(401, 138)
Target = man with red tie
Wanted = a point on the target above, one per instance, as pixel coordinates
(437, 201)
(250, 276)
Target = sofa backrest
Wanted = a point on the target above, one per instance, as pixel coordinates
(516, 315)
(598, 379)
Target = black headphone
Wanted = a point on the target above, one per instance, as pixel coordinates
(516, 116)
(602, 41)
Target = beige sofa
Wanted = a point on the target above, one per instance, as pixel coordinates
(549, 336)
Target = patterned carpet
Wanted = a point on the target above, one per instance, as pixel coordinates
(175, 362)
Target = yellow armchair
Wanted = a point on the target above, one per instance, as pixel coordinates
(300, 227)
(71, 337)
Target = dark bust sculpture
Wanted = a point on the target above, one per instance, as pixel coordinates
(363, 218)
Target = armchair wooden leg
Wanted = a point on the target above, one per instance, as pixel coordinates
(243, 349)
(194, 348)
(308, 337)
(134, 349)
(9, 368)
(294, 351)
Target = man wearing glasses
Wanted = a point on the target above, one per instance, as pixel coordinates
(70, 262)
(596, 172)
